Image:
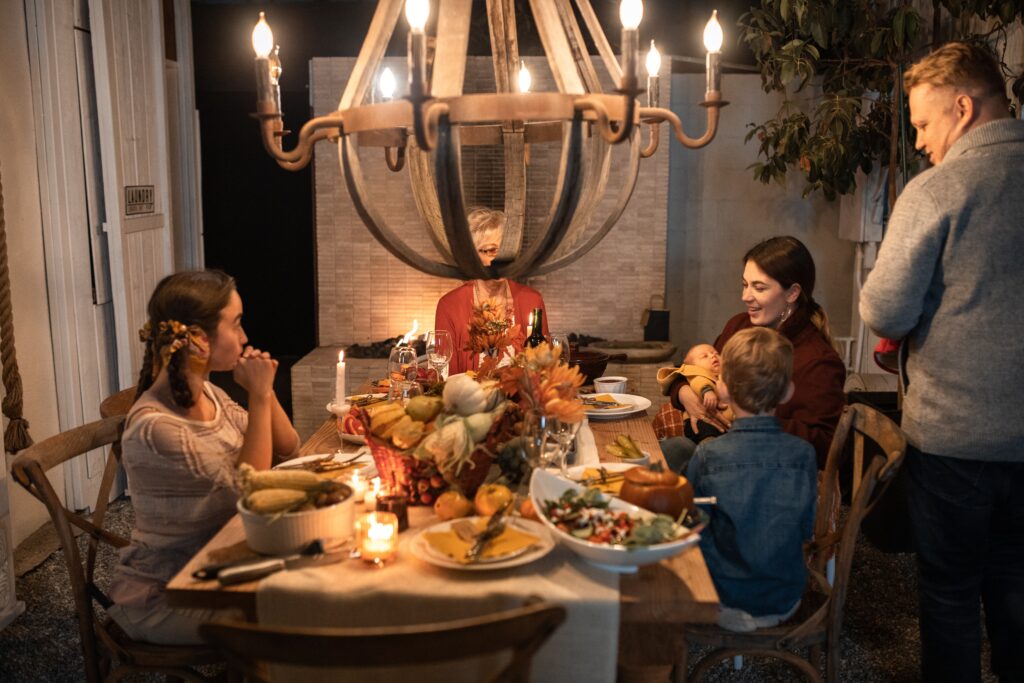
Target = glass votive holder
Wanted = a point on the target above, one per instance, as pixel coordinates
(377, 537)
(398, 506)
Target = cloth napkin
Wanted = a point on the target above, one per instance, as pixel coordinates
(409, 591)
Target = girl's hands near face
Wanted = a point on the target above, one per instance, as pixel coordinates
(255, 372)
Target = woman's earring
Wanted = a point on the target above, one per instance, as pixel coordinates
(786, 313)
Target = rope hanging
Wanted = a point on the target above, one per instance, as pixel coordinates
(16, 435)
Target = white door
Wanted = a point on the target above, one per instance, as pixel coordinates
(128, 52)
(72, 205)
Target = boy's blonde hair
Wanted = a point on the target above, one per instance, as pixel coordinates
(757, 364)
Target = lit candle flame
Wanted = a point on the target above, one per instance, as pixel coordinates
(262, 38)
(713, 36)
(525, 80)
(631, 12)
(341, 356)
(380, 532)
(653, 61)
(417, 12)
(386, 83)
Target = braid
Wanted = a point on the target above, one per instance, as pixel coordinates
(146, 373)
(180, 390)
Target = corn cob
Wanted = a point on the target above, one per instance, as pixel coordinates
(269, 501)
(299, 480)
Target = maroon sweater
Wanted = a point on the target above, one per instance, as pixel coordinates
(455, 308)
(818, 378)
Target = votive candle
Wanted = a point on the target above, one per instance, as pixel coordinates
(370, 499)
(377, 536)
(359, 486)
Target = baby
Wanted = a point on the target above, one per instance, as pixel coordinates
(701, 367)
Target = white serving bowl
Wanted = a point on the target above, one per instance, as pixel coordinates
(617, 558)
(293, 531)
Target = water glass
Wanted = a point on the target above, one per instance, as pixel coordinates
(560, 342)
(402, 366)
(439, 351)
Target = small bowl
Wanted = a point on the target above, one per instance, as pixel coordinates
(644, 461)
(293, 531)
(610, 385)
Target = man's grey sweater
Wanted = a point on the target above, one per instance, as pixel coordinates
(950, 278)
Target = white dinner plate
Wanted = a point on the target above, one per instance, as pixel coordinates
(422, 550)
(365, 461)
(631, 404)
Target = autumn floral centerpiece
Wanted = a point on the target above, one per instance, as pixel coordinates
(492, 331)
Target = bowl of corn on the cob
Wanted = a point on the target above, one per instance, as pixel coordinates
(283, 511)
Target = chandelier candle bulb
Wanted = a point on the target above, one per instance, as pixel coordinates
(525, 80)
(275, 77)
(263, 45)
(339, 380)
(713, 38)
(653, 84)
(387, 84)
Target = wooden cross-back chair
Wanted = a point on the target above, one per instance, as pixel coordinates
(248, 648)
(818, 621)
(102, 640)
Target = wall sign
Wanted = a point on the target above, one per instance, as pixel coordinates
(138, 199)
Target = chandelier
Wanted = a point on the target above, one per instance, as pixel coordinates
(425, 132)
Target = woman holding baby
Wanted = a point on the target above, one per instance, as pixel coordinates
(778, 288)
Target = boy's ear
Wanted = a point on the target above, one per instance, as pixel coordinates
(789, 393)
(723, 391)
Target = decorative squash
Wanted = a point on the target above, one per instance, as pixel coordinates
(663, 492)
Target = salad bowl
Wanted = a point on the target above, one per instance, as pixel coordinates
(546, 487)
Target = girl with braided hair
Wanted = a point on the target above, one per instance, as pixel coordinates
(183, 441)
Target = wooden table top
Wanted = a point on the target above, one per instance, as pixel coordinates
(654, 601)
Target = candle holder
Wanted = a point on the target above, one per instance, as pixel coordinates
(377, 537)
(396, 505)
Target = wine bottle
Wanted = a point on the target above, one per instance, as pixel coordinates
(536, 337)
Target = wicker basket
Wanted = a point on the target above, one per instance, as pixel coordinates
(402, 474)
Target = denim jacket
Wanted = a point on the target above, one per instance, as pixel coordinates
(766, 484)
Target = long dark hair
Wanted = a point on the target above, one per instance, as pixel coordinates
(786, 260)
(191, 297)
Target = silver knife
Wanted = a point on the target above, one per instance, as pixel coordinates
(251, 571)
(495, 525)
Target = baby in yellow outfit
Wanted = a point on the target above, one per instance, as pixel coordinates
(701, 367)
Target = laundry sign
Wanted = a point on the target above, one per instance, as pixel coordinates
(138, 199)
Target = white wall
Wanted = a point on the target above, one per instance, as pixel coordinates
(18, 166)
(717, 211)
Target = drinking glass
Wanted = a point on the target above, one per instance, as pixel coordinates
(439, 351)
(402, 366)
(560, 342)
(564, 434)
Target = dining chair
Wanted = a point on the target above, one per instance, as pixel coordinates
(818, 621)
(248, 647)
(119, 403)
(103, 642)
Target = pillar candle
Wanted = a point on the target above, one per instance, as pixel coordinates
(339, 380)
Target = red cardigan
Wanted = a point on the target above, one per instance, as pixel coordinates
(455, 308)
(818, 378)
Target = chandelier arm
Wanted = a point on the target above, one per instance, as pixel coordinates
(394, 157)
(424, 192)
(652, 141)
(354, 180)
(314, 130)
(426, 112)
(604, 124)
(560, 218)
(595, 180)
(448, 178)
(613, 217)
(712, 104)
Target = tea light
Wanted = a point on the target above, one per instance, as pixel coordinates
(377, 536)
(359, 486)
(370, 498)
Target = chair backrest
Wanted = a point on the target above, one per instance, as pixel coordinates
(522, 630)
(858, 423)
(119, 403)
(29, 469)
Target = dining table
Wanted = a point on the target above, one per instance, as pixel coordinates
(654, 603)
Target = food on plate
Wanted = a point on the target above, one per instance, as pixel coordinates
(350, 424)
(602, 402)
(492, 497)
(624, 448)
(511, 541)
(601, 478)
(657, 490)
(280, 491)
(322, 466)
(452, 504)
(528, 511)
(587, 517)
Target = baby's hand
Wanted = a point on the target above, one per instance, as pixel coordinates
(710, 400)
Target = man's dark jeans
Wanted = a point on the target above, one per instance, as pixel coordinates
(968, 521)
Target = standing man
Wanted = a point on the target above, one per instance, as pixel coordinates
(949, 279)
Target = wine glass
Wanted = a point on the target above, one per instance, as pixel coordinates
(439, 351)
(401, 364)
(563, 434)
(560, 343)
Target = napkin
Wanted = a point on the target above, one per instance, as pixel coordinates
(603, 402)
(612, 487)
(511, 540)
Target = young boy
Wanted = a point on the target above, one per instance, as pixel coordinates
(766, 484)
(701, 367)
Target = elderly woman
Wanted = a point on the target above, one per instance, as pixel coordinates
(778, 288)
(510, 301)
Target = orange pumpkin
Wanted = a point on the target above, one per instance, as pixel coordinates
(663, 492)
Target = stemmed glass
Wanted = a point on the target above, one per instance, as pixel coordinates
(401, 364)
(439, 351)
(563, 434)
(560, 343)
